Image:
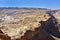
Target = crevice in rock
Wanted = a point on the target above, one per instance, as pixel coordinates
(52, 28)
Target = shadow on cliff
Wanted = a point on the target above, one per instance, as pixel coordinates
(3, 36)
(39, 33)
(45, 31)
(52, 28)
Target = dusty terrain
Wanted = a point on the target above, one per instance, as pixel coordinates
(29, 24)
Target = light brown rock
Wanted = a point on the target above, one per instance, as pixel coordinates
(16, 26)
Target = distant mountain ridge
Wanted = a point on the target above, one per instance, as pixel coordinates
(22, 8)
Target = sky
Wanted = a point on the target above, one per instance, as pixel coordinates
(54, 4)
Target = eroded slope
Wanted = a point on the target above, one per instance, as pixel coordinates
(16, 25)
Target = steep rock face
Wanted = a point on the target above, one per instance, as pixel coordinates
(53, 28)
(39, 33)
(57, 24)
(18, 25)
(57, 16)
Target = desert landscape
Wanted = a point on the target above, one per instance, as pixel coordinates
(29, 24)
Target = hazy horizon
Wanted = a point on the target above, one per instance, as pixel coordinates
(50, 4)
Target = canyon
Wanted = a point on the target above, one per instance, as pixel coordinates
(29, 24)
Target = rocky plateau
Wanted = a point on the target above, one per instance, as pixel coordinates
(29, 24)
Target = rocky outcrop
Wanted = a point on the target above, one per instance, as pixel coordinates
(31, 24)
(57, 17)
(57, 20)
(25, 26)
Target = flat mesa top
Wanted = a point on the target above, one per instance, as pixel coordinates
(17, 24)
